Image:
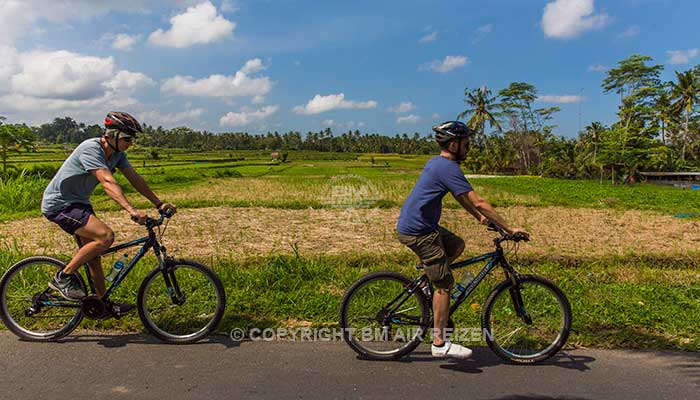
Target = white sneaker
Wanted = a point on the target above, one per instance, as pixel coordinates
(451, 350)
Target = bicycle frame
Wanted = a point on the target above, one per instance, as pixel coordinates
(147, 243)
(494, 258)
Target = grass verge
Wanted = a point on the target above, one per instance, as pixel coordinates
(642, 302)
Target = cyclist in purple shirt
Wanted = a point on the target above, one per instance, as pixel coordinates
(437, 247)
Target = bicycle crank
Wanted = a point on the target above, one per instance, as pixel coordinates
(93, 307)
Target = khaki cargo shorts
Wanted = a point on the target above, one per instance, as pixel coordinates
(434, 248)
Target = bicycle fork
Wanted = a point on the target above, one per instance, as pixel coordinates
(173, 288)
(515, 294)
(518, 304)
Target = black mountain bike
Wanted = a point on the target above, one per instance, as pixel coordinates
(526, 318)
(180, 301)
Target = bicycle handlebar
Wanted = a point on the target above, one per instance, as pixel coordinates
(153, 222)
(516, 237)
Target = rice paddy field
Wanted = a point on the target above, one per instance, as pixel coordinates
(287, 238)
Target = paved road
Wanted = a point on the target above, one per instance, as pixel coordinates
(136, 366)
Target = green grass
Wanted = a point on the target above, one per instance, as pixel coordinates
(393, 176)
(21, 194)
(617, 302)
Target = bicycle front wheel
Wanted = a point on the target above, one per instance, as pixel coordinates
(529, 337)
(186, 308)
(381, 319)
(29, 308)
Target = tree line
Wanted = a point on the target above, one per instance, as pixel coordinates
(657, 129)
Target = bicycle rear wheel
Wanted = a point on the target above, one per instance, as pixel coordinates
(29, 308)
(515, 339)
(194, 312)
(381, 319)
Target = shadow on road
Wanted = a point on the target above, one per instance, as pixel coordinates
(122, 340)
(483, 357)
(537, 397)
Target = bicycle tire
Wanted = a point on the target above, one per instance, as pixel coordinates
(35, 282)
(419, 300)
(531, 297)
(163, 329)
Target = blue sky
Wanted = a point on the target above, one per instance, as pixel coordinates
(378, 66)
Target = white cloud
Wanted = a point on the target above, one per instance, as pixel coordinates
(481, 32)
(228, 6)
(61, 74)
(431, 37)
(125, 42)
(321, 104)
(36, 86)
(564, 19)
(128, 81)
(37, 110)
(435, 116)
(253, 66)
(404, 107)
(408, 119)
(677, 57)
(446, 65)
(247, 116)
(560, 99)
(342, 125)
(170, 120)
(9, 65)
(630, 32)
(17, 18)
(598, 68)
(239, 84)
(200, 24)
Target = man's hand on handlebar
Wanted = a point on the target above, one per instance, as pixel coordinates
(520, 233)
(138, 216)
(167, 209)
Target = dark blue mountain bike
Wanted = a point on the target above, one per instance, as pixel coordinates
(526, 318)
(179, 301)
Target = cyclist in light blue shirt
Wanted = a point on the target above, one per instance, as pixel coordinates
(66, 202)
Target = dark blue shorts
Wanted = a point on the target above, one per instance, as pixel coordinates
(72, 217)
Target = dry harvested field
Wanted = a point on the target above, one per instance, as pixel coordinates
(239, 233)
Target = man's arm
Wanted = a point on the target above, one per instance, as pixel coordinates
(480, 208)
(113, 190)
(140, 185)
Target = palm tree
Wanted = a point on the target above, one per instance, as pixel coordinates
(686, 94)
(592, 136)
(480, 102)
(663, 113)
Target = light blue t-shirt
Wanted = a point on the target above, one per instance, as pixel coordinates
(422, 209)
(73, 182)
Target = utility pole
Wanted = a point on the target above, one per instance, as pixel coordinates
(580, 100)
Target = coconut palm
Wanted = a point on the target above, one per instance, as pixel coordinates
(662, 107)
(686, 95)
(480, 102)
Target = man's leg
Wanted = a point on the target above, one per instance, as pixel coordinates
(97, 237)
(453, 247)
(96, 272)
(441, 312)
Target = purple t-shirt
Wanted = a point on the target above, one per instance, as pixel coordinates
(421, 211)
